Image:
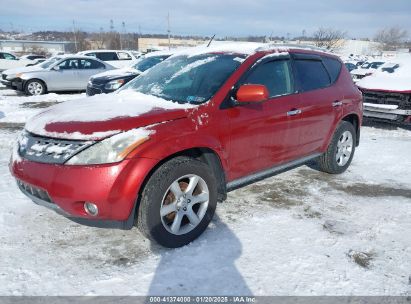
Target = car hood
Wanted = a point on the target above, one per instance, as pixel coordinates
(386, 82)
(116, 73)
(362, 71)
(104, 115)
(15, 71)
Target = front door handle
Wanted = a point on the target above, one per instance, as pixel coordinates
(293, 112)
(337, 103)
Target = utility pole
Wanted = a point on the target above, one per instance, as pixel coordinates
(168, 30)
(123, 41)
(138, 37)
(75, 36)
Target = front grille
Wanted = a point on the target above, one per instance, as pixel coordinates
(402, 100)
(34, 191)
(49, 150)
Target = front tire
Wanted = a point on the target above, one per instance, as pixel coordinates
(35, 87)
(341, 150)
(178, 202)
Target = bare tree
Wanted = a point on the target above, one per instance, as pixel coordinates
(328, 38)
(391, 38)
(82, 42)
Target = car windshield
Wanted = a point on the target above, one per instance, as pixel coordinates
(146, 63)
(49, 62)
(187, 79)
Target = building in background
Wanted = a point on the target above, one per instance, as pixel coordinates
(22, 47)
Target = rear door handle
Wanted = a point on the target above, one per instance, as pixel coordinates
(337, 103)
(294, 112)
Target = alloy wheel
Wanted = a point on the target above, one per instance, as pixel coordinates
(344, 148)
(184, 204)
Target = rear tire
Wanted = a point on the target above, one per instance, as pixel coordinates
(178, 202)
(340, 151)
(35, 87)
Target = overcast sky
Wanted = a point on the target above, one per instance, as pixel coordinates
(360, 18)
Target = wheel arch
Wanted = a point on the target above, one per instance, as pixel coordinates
(355, 121)
(38, 79)
(203, 154)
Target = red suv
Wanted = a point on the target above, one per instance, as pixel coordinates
(163, 150)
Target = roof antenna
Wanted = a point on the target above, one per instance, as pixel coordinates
(211, 40)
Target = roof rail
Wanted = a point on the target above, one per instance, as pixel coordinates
(272, 46)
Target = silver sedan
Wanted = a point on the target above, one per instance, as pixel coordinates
(63, 73)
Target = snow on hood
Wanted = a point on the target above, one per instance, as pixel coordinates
(399, 80)
(116, 72)
(105, 114)
(362, 72)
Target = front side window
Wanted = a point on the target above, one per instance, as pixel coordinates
(90, 64)
(311, 74)
(275, 75)
(69, 64)
(187, 79)
(8, 56)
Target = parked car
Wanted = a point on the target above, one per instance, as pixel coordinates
(32, 57)
(10, 76)
(64, 73)
(10, 61)
(116, 58)
(366, 69)
(350, 66)
(166, 147)
(387, 93)
(110, 81)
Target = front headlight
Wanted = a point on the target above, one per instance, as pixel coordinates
(112, 149)
(114, 84)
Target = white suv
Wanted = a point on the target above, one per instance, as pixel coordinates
(118, 59)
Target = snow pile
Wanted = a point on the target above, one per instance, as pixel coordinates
(399, 80)
(125, 103)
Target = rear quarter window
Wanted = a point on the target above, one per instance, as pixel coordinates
(311, 74)
(333, 67)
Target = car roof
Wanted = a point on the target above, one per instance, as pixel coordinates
(250, 48)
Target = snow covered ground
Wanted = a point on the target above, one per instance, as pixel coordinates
(299, 233)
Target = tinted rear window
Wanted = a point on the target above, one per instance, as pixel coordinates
(333, 67)
(107, 56)
(311, 74)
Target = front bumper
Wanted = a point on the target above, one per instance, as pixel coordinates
(385, 112)
(7, 83)
(113, 188)
(94, 89)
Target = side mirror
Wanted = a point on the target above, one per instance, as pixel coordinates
(56, 68)
(250, 93)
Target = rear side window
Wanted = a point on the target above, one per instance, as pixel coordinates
(311, 74)
(333, 67)
(275, 75)
(107, 56)
(123, 56)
